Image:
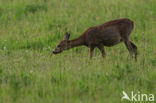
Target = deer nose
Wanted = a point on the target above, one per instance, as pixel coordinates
(54, 52)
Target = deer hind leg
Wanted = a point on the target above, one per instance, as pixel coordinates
(91, 52)
(129, 47)
(134, 50)
(101, 47)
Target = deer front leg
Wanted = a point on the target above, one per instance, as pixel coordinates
(101, 47)
(91, 52)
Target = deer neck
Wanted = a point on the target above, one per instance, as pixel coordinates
(76, 42)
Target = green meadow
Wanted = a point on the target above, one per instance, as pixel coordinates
(31, 29)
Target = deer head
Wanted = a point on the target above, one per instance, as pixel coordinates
(63, 45)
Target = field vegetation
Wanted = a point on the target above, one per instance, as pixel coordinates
(31, 29)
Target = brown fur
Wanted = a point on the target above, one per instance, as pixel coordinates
(107, 34)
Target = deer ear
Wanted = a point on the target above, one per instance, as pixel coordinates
(67, 35)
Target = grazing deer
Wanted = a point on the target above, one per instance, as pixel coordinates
(107, 34)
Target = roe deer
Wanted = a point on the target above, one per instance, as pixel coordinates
(107, 34)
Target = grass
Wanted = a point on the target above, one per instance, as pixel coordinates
(31, 29)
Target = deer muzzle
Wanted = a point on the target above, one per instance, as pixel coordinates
(56, 51)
